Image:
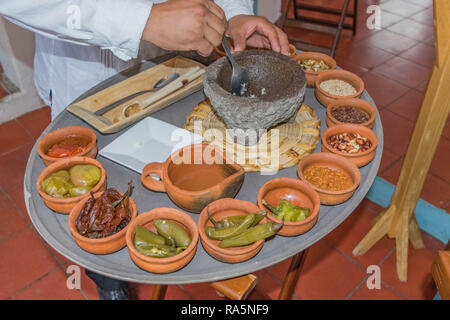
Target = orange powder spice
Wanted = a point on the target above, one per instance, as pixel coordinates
(326, 178)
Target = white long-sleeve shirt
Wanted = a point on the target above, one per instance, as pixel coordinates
(80, 43)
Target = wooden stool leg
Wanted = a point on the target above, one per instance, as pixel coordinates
(290, 281)
(159, 291)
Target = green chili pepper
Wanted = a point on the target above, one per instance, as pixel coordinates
(173, 232)
(224, 233)
(251, 235)
(234, 221)
(288, 211)
(157, 251)
(147, 237)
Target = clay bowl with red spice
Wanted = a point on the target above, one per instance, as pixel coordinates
(218, 210)
(104, 245)
(333, 162)
(296, 192)
(358, 104)
(65, 205)
(58, 135)
(311, 75)
(326, 98)
(220, 52)
(358, 158)
(162, 265)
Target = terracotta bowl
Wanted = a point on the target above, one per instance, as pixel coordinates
(104, 245)
(360, 104)
(361, 158)
(334, 162)
(58, 135)
(298, 193)
(65, 205)
(326, 98)
(220, 52)
(310, 75)
(220, 209)
(162, 265)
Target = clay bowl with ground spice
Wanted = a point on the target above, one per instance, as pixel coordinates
(296, 192)
(218, 210)
(58, 136)
(353, 111)
(220, 52)
(311, 75)
(359, 158)
(65, 205)
(104, 245)
(169, 264)
(330, 163)
(335, 80)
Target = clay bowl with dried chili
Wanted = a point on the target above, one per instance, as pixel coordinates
(66, 142)
(168, 264)
(335, 178)
(111, 235)
(352, 111)
(311, 75)
(219, 210)
(65, 205)
(335, 85)
(357, 143)
(297, 193)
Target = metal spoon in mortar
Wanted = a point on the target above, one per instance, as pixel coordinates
(239, 76)
(159, 84)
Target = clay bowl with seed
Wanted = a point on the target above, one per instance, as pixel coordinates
(104, 245)
(169, 264)
(325, 98)
(58, 135)
(333, 162)
(218, 210)
(358, 158)
(358, 104)
(298, 193)
(311, 75)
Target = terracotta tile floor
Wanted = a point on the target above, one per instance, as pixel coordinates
(394, 63)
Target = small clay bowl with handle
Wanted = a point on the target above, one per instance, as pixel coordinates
(104, 245)
(65, 205)
(58, 135)
(326, 98)
(358, 158)
(359, 104)
(311, 75)
(334, 162)
(218, 210)
(169, 264)
(296, 192)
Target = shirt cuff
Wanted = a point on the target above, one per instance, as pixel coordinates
(234, 8)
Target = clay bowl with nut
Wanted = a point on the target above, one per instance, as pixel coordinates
(297, 193)
(220, 52)
(351, 111)
(354, 142)
(219, 210)
(85, 137)
(328, 190)
(65, 205)
(105, 245)
(339, 85)
(312, 75)
(162, 264)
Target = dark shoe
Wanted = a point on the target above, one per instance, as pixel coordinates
(116, 294)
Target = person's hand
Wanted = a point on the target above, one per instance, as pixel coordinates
(185, 25)
(258, 32)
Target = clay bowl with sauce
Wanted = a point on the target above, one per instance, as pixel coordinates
(311, 75)
(83, 135)
(359, 104)
(162, 265)
(220, 52)
(325, 98)
(296, 192)
(218, 210)
(65, 205)
(358, 158)
(195, 176)
(104, 245)
(333, 162)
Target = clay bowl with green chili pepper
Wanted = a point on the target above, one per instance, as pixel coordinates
(171, 236)
(298, 194)
(230, 229)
